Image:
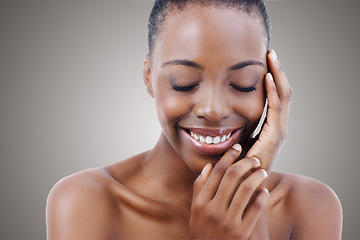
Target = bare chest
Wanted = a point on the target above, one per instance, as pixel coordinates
(174, 225)
(168, 224)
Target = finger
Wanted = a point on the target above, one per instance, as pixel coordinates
(201, 180)
(233, 177)
(254, 211)
(212, 184)
(270, 132)
(281, 80)
(245, 192)
(274, 104)
(284, 90)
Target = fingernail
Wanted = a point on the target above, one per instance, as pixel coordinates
(206, 168)
(237, 147)
(274, 54)
(269, 75)
(264, 172)
(266, 190)
(257, 161)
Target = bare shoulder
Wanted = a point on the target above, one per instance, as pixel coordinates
(316, 206)
(87, 204)
(80, 205)
(80, 185)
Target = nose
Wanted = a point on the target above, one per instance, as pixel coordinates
(213, 105)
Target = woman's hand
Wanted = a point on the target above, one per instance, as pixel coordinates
(274, 131)
(228, 199)
(224, 205)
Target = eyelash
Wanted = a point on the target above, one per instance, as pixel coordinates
(241, 89)
(189, 88)
(183, 89)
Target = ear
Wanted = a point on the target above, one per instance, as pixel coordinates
(147, 75)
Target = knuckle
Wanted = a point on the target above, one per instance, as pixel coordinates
(247, 186)
(289, 94)
(220, 168)
(213, 216)
(277, 106)
(198, 206)
(258, 204)
(226, 228)
(227, 225)
(286, 95)
(233, 171)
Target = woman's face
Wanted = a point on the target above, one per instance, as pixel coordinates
(206, 74)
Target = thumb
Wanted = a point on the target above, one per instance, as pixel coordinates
(201, 180)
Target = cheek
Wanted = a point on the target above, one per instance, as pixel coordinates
(251, 107)
(170, 108)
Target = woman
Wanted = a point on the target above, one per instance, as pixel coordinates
(210, 72)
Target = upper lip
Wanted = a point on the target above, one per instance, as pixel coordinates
(213, 132)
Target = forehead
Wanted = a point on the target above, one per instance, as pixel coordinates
(212, 31)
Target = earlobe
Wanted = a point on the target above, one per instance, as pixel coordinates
(147, 75)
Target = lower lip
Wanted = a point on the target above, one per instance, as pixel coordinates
(211, 149)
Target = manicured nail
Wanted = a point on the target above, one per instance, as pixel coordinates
(264, 172)
(257, 161)
(206, 168)
(274, 54)
(237, 147)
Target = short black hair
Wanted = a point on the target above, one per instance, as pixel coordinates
(161, 9)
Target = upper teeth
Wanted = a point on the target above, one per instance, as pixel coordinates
(208, 139)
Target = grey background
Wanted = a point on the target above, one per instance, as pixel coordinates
(72, 97)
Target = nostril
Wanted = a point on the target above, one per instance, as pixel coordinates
(212, 104)
(212, 113)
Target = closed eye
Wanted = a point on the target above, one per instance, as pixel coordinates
(243, 89)
(184, 89)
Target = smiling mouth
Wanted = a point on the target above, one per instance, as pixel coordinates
(209, 139)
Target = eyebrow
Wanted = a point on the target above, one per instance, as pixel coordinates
(195, 65)
(241, 65)
(185, 62)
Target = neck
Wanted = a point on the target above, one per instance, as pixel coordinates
(165, 169)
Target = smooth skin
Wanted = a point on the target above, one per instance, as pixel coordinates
(175, 192)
